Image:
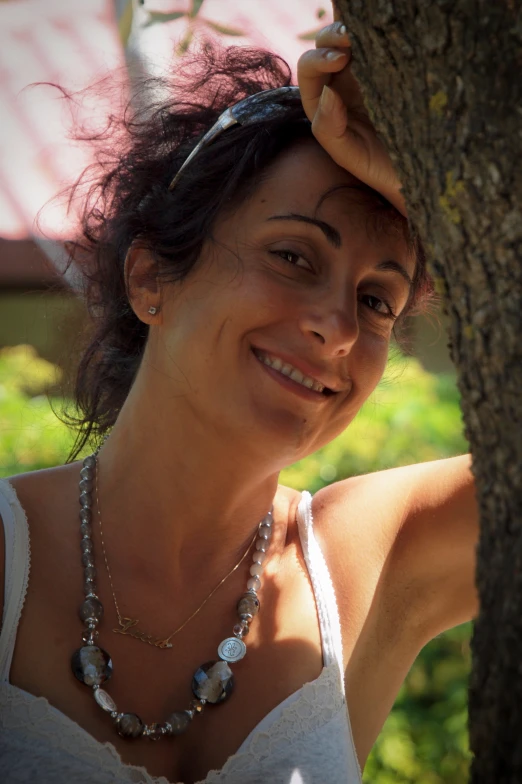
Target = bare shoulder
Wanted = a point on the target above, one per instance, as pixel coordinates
(41, 495)
(408, 535)
(43, 480)
(39, 490)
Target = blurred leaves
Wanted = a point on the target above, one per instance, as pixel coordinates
(31, 436)
(23, 371)
(412, 416)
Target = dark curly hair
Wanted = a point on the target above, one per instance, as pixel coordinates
(125, 197)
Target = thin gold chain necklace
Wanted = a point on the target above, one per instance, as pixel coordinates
(129, 626)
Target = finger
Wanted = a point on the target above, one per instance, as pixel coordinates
(330, 120)
(330, 129)
(335, 34)
(314, 70)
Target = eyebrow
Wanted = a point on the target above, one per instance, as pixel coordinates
(394, 266)
(331, 234)
(334, 238)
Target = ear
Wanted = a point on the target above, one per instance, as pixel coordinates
(142, 283)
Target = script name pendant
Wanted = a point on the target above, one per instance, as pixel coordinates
(128, 626)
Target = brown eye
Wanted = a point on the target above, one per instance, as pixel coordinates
(378, 305)
(293, 258)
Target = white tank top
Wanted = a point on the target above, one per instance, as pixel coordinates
(306, 739)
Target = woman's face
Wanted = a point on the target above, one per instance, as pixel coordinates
(290, 283)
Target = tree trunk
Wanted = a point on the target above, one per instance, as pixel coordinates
(442, 81)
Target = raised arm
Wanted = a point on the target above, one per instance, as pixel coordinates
(420, 526)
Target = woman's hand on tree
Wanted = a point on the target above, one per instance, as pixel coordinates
(333, 103)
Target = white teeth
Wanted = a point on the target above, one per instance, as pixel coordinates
(296, 375)
(291, 372)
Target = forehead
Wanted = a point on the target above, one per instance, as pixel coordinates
(304, 173)
(305, 180)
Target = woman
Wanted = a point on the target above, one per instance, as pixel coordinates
(244, 301)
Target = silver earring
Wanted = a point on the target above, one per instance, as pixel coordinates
(153, 310)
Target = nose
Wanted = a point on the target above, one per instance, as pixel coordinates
(333, 325)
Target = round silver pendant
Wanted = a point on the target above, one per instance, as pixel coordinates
(231, 649)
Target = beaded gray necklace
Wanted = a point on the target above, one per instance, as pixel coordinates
(212, 682)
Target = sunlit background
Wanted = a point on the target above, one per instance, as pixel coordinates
(414, 414)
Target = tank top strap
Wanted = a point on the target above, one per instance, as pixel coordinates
(17, 563)
(322, 585)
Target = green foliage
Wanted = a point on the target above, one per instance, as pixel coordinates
(425, 738)
(31, 437)
(412, 416)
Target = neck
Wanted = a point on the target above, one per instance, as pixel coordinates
(174, 498)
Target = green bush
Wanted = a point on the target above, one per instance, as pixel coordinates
(31, 436)
(411, 417)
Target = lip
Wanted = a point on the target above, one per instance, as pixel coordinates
(304, 367)
(290, 384)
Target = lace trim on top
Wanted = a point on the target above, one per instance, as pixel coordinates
(17, 567)
(309, 708)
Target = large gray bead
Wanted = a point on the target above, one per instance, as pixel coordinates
(91, 665)
(178, 721)
(213, 681)
(89, 462)
(248, 604)
(91, 610)
(86, 484)
(129, 725)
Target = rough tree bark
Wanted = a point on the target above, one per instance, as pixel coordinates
(442, 81)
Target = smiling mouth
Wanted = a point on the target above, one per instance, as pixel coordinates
(292, 373)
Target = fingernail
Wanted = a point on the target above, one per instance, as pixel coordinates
(327, 99)
(332, 55)
(342, 30)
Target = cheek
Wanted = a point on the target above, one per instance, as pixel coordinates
(369, 362)
(367, 365)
